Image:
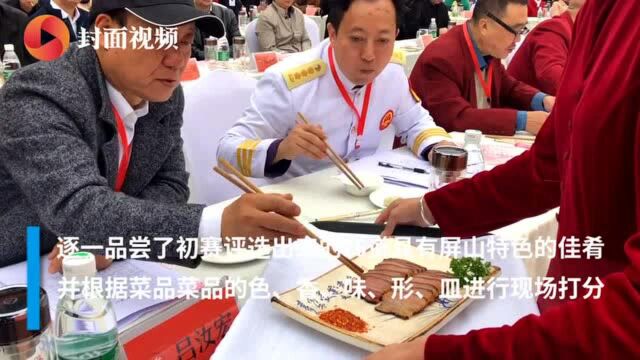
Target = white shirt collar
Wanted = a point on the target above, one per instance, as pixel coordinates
(65, 15)
(127, 113)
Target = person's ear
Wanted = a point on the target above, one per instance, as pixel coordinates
(333, 33)
(483, 25)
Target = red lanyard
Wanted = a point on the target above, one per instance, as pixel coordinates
(126, 148)
(362, 117)
(486, 84)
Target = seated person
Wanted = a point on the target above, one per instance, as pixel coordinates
(110, 162)
(227, 17)
(74, 17)
(541, 58)
(419, 15)
(12, 25)
(558, 7)
(462, 80)
(281, 28)
(348, 90)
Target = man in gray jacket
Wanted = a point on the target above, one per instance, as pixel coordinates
(90, 146)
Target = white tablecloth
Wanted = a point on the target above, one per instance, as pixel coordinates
(412, 53)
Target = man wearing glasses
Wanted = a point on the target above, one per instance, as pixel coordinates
(463, 83)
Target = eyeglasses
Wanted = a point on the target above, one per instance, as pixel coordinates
(522, 32)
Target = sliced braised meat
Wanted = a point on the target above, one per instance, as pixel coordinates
(403, 308)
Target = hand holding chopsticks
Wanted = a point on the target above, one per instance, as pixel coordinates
(234, 176)
(337, 160)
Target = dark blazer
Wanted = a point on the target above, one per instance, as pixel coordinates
(230, 25)
(45, 8)
(418, 15)
(16, 4)
(235, 6)
(12, 25)
(59, 157)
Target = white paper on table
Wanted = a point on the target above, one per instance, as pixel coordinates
(495, 153)
(126, 310)
(403, 158)
(273, 335)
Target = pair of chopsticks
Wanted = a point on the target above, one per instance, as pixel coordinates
(513, 137)
(354, 215)
(249, 187)
(337, 160)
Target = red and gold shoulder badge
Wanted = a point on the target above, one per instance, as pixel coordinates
(413, 93)
(386, 120)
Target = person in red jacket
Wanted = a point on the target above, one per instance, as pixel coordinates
(533, 6)
(463, 83)
(541, 58)
(586, 159)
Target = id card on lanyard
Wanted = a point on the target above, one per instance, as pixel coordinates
(126, 150)
(360, 115)
(486, 84)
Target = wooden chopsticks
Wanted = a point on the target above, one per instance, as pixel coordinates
(337, 160)
(248, 186)
(354, 215)
(513, 137)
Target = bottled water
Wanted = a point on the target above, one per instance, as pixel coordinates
(10, 62)
(433, 29)
(85, 325)
(223, 49)
(475, 160)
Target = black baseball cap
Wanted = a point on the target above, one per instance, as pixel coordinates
(164, 13)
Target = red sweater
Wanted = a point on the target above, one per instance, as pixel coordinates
(587, 160)
(540, 59)
(444, 78)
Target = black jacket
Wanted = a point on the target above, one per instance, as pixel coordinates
(235, 6)
(46, 9)
(16, 4)
(418, 15)
(230, 25)
(12, 24)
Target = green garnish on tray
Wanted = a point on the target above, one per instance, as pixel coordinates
(468, 268)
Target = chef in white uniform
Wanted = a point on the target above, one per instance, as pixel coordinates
(351, 87)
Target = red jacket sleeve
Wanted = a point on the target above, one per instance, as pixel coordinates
(605, 328)
(551, 49)
(525, 186)
(433, 80)
(514, 93)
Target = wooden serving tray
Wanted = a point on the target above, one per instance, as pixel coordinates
(384, 329)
